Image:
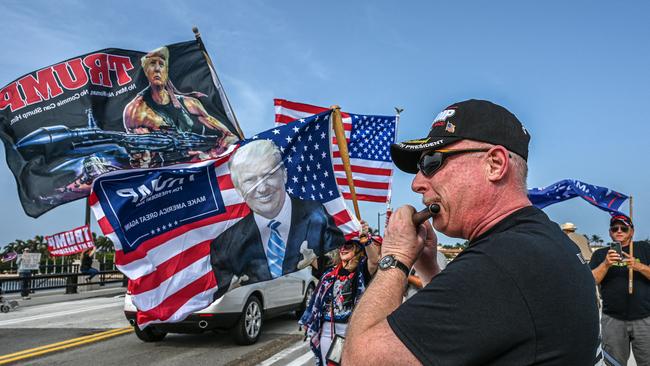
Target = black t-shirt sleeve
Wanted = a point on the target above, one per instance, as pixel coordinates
(598, 257)
(452, 321)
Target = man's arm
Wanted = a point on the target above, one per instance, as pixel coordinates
(195, 107)
(601, 271)
(370, 340)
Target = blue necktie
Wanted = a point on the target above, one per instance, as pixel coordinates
(275, 250)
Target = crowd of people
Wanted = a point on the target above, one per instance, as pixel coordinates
(525, 291)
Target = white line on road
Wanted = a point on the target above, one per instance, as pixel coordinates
(60, 313)
(280, 355)
(302, 359)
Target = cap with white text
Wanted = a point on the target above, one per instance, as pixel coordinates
(472, 119)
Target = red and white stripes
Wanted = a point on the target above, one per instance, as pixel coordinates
(371, 178)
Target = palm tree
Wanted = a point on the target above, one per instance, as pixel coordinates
(595, 239)
(103, 244)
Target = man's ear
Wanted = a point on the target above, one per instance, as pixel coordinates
(497, 163)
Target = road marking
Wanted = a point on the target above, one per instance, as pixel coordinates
(38, 351)
(280, 355)
(60, 313)
(302, 359)
(73, 340)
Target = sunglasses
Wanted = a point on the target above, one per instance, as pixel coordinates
(432, 161)
(617, 228)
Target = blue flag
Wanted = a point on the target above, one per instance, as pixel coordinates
(601, 197)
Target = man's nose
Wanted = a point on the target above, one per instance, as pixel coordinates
(419, 183)
(262, 187)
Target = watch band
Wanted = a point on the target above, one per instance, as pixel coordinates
(389, 261)
(403, 267)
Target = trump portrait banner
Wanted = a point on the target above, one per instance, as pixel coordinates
(186, 234)
(70, 242)
(64, 125)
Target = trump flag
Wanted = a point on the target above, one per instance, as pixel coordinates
(70, 242)
(179, 231)
(601, 197)
(66, 124)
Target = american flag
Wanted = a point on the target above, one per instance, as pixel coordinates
(163, 220)
(369, 139)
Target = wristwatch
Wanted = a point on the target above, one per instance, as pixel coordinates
(389, 261)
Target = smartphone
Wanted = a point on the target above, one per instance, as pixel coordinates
(616, 246)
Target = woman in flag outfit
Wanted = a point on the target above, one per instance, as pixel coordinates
(339, 289)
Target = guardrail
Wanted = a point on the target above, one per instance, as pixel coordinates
(69, 281)
(50, 266)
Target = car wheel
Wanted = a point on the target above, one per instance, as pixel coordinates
(249, 326)
(305, 302)
(5, 308)
(149, 334)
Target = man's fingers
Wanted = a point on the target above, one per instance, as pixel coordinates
(426, 233)
(399, 217)
(405, 212)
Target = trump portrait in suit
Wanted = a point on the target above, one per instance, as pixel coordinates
(280, 235)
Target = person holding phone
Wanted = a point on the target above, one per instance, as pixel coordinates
(626, 317)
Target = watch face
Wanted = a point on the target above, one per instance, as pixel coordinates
(386, 262)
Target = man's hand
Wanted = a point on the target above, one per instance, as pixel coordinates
(238, 281)
(427, 264)
(632, 262)
(612, 258)
(402, 239)
(308, 255)
(643, 269)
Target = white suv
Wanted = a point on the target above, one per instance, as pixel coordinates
(242, 310)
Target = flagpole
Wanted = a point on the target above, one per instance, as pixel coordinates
(217, 82)
(398, 112)
(88, 211)
(339, 132)
(630, 271)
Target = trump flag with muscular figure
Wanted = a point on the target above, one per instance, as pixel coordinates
(186, 234)
(68, 123)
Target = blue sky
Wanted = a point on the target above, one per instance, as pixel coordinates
(577, 74)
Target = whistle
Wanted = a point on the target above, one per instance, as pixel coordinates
(424, 215)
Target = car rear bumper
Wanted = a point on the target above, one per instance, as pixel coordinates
(195, 322)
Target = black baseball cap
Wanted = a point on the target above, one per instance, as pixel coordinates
(472, 119)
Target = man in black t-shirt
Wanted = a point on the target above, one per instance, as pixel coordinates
(626, 317)
(520, 294)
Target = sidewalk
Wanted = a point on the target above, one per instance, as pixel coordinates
(58, 295)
